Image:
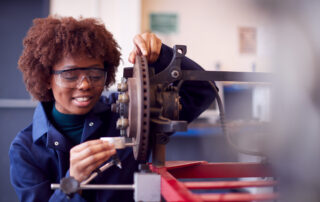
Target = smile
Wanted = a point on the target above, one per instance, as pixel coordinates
(82, 99)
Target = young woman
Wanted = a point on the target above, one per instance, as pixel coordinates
(66, 64)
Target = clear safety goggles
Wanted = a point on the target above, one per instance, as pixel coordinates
(73, 78)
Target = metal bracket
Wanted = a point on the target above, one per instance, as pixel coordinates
(173, 71)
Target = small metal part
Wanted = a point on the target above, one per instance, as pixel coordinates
(123, 98)
(127, 72)
(162, 138)
(131, 144)
(147, 187)
(122, 123)
(144, 168)
(122, 87)
(118, 142)
(175, 74)
(116, 161)
(123, 133)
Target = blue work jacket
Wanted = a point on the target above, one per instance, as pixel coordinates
(39, 154)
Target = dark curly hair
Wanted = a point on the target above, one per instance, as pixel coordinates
(53, 37)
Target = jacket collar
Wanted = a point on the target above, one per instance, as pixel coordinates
(42, 124)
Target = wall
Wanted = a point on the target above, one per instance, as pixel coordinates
(209, 29)
(16, 107)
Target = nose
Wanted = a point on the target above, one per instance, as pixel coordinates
(84, 83)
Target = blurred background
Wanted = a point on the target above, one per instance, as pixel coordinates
(278, 36)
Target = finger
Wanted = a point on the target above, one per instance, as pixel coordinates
(148, 41)
(83, 169)
(133, 54)
(96, 149)
(90, 150)
(95, 160)
(141, 45)
(132, 57)
(89, 169)
(155, 45)
(84, 145)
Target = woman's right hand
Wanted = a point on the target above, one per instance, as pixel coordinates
(86, 157)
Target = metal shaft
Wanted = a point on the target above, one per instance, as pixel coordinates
(95, 174)
(100, 186)
(227, 76)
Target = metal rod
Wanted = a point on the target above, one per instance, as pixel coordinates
(95, 174)
(226, 76)
(130, 144)
(101, 186)
(228, 184)
(55, 186)
(159, 154)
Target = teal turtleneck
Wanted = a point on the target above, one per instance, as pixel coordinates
(70, 125)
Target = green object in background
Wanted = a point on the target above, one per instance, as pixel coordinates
(165, 23)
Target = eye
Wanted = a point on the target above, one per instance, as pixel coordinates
(96, 75)
(69, 75)
(96, 78)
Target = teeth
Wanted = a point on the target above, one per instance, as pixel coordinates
(82, 99)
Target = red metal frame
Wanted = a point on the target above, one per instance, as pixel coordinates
(174, 190)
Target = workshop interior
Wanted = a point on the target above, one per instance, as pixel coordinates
(259, 139)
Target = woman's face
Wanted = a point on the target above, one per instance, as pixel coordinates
(79, 98)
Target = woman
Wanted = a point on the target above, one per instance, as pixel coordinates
(66, 64)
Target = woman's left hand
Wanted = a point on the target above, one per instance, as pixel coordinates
(147, 44)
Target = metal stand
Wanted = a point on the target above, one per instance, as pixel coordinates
(159, 154)
(174, 190)
(146, 186)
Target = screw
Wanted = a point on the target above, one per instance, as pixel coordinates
(122, 123)
(175, 74)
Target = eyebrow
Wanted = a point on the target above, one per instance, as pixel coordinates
(74, 66)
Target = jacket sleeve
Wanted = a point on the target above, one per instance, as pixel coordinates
(29, 181)
(196, 96)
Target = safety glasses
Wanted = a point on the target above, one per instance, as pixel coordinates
(72, 78)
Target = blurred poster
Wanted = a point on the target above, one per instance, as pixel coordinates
(164, 23)
(247, 40)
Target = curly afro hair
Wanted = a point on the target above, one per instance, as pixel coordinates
(50, 38)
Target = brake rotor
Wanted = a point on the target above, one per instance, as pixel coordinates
(138, 109)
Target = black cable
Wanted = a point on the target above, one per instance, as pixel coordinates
(224, 127)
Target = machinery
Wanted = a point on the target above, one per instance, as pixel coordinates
(148, 107)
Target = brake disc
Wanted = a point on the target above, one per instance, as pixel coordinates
(138, 110)
(133, 105)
